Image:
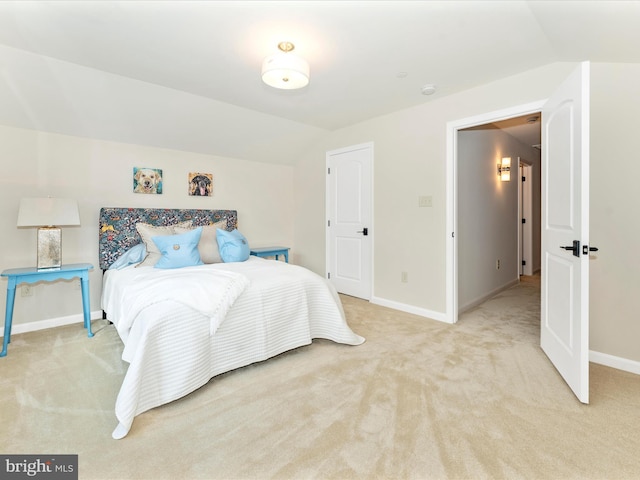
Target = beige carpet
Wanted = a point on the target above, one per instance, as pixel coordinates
(419, 400)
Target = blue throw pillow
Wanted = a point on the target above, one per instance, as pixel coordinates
(179, 251)
(232, 245)
(134, 255)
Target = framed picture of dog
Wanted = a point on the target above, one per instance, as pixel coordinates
(147, 180)
(200, 184)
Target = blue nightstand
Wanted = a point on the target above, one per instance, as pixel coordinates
(271, 252)
(33, 275)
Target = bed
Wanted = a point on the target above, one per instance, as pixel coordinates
(182, 326)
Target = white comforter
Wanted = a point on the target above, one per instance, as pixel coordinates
(175, 340)
(210, 292)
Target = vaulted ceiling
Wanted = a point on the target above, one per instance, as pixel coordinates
(186, 75)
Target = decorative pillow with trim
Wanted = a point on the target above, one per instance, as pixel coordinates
(147, 231)
(208, 246)
(179, 250)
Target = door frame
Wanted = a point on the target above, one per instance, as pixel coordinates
(525, 210)
(328, 251)
(451, 313)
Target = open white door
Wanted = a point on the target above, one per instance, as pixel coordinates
(349, 216)
(565, 231)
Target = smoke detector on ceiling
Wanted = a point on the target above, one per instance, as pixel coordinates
(428, 89)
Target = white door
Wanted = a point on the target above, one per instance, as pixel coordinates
(349, 215)
(565, 223)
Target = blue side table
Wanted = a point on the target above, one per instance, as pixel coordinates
(32, 275)
(271, 252)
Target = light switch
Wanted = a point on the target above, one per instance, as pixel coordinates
(425, 201)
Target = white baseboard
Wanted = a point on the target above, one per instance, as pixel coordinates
(50, 323)
(403, 307)
(619, 363)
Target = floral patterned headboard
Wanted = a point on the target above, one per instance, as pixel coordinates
(118, 226)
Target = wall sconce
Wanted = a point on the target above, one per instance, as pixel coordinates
(504, 169)
(48, 214)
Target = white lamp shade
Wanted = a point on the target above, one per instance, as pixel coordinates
(41, 212)
(285, 71)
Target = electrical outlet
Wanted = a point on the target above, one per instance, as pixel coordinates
(26, 290)
(498, 264)
(404, 277)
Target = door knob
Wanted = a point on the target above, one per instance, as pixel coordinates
(364, 231)
(575, 248)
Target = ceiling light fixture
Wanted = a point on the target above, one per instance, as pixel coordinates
(285, 70)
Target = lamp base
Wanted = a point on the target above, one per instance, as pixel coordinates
(49, 247)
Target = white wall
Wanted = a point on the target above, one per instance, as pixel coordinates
(410, 160)
(99, 173)
(615, 220)
(410, 149)
(488, 218)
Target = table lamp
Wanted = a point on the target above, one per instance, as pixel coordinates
(48, 214)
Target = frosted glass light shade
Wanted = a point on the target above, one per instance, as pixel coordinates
(285, 71)
(504, 169)
(47, 212)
